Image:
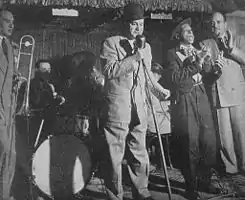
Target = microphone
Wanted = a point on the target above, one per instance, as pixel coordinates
(140, 41)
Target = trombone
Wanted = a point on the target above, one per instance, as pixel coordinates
(27, 45)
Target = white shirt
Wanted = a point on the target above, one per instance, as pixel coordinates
(1, 39)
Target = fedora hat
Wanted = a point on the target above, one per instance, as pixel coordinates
(177, 29)
(133, 11)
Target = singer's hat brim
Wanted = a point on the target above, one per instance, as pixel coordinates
(177, 29)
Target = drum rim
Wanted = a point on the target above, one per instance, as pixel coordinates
(33, 176)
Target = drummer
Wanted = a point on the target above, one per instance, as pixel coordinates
(75, 78)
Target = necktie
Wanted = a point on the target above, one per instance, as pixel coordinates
(135, 73)
(221, 44)
(5, 48)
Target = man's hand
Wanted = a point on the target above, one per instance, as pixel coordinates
(85, 126)
(204, 54)
(167, 93)
(60, 99)
(139, 54)
(220, 62)
(229, 43)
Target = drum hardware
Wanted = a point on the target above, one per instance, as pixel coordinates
(140, 44)
(39, 133)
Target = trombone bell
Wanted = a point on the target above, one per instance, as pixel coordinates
(25, 54)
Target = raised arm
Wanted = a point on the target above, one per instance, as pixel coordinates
(181, 75)
(112, 67)
(238, 55)
(154, 86)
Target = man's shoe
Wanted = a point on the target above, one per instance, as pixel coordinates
(148, 198)
(209, 187)
(40, 198)
(190, 195)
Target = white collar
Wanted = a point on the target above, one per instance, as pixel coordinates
(1, 38)
(223, 37)
(131, 42)
(184, 46)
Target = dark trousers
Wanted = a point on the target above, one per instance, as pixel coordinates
(195, 135)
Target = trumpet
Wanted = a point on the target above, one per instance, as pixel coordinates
(26, 50)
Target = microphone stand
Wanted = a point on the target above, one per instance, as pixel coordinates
(146, 73)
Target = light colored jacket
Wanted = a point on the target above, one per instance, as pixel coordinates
(6, 81)
(231, 85)
(122, 95)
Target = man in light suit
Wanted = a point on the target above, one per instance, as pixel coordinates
(228, 94)
(125, 108)
(7, 126)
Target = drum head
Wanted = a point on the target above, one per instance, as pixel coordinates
(61, 166)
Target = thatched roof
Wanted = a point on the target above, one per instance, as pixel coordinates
(152, 5)
(225, 6)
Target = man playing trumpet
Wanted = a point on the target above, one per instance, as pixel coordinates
(192, 117)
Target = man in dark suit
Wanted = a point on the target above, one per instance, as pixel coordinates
(192, 116)
(7, 107)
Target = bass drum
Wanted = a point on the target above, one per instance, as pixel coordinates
(61, 166)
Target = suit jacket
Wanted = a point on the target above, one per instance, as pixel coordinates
(7, 109)
(230, 87)
(125, 97)
(7, 70)
(181, 74)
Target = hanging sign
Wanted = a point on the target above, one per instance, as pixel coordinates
(65, 12)
(161, 16)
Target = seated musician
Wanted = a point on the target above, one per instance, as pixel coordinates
(76, 79)
(85, 91)
(44, 100)
(43, 94)
(161, 111)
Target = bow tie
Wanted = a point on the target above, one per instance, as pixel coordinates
(187, 51)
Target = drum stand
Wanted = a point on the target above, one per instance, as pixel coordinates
(146, 73)
(31, 176)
